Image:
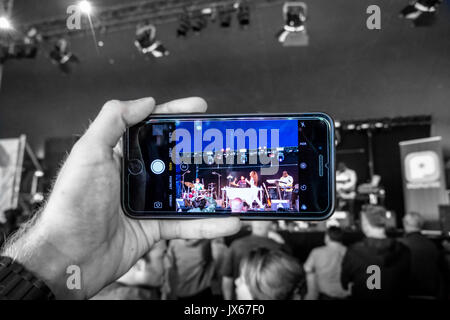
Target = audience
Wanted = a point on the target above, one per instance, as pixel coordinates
(190, 269)
(323, 268)
(270, 275)
(256, 266)
(391, 256)
(239, 249)
(425, 273)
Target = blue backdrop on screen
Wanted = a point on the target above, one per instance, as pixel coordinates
(288, 129)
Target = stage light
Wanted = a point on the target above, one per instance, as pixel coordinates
(5, 24)
(225, 16)
(85, 7)
(184, 24)
(146, 41)
(207, 11)
(198, 22)
(421, 12)
(294, 30)
(62, 56)
(243, 13)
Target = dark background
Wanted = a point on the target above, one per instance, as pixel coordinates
(347, 71)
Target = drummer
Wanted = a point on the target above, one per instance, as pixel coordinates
(198, 186)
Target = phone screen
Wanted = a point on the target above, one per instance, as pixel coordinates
(254, 166)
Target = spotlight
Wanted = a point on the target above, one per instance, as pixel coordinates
(85, 7)
(25, 49)
(421, 12)
(379, 125)
(61, 55)
(225, 16)
(5, 24)
(184, 24)
(198, 21)
(146, 41)
(294, 30)
(243, 13)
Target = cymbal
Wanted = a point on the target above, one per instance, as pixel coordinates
(189, 184)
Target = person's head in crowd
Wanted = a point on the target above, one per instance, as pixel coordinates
(334, 234)
(261, 228)
(341, 167)
(413, 222)
(242, 178)
(237, 205)
(270, 275)
(373, 221)
(285, 174)
(197, 180)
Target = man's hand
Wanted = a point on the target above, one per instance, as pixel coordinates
(83, 224)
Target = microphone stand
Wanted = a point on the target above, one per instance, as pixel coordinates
(218, 177)
(184, 189)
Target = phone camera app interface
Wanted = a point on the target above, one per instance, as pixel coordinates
(255, 166)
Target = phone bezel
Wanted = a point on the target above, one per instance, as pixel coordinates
(175, 215)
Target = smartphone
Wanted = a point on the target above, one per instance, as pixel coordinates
(260, 166)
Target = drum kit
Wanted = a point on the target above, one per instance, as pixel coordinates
(191, 193)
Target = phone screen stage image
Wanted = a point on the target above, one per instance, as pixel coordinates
(211, 166)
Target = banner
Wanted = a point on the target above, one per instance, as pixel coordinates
(423, 174)
(11, 160)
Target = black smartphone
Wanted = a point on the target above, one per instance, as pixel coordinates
(260, 166)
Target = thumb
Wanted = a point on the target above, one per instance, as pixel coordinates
(115, 117)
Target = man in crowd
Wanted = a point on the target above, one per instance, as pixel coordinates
(388, 259)
(190, 269)
(323, 268)
(426, 260)
(259, 238)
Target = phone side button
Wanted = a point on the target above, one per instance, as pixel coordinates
(320, 165)
(135, 167)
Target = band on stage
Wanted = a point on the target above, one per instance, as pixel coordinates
(255, 194)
